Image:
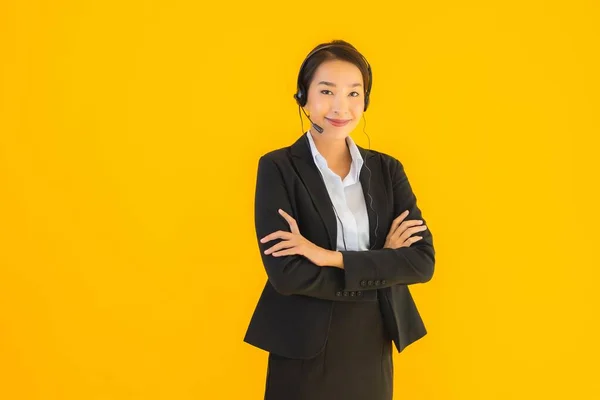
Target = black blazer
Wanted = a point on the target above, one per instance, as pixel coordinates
(293, 313)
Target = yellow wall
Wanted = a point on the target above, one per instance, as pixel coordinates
(129, 139)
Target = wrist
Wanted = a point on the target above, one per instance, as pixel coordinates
(335, 259)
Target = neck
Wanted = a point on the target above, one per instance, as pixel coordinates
(335, 150)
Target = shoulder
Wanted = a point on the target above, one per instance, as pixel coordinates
(280, 157)
(277, 155)
(275, 160)
(387, 161)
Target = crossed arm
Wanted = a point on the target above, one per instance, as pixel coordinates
(342, 272)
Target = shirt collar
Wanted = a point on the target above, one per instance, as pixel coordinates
(357, 160)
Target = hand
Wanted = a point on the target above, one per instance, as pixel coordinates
(295, 243)
(399, 235)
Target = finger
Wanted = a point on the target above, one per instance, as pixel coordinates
(281, 245)
(407, 233)
(287, 252)
(416, 229)
(398, 220)
(406, 224)
(276, 235)
(413, 239)
(290, 220)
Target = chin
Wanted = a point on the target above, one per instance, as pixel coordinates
(340, 133)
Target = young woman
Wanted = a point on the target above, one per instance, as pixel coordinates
(341, 238)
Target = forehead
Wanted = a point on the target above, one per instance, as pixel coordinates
(338, 71)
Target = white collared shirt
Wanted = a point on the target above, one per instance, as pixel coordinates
(348, 198)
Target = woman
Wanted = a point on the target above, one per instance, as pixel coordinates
(337, 290)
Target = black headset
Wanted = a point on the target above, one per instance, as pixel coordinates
(301, 93)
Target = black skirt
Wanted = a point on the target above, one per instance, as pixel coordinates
(356, 363)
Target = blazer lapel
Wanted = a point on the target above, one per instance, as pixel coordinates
(310, 175)
(371, 183)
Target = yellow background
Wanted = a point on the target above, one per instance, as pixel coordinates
(129, 139)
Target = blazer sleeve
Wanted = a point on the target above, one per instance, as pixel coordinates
(387, 267)
(293, 274)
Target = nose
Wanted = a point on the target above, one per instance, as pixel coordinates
(340, 106)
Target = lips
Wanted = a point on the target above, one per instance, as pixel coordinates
(338, 122)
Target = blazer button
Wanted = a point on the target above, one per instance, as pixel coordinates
(359, 293)
(352, 293)
(383, 282)
(370, 283)
(338, 294)
(377, 282)
(363, 283)
(345, 293)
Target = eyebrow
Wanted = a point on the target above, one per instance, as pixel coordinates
(333, 84)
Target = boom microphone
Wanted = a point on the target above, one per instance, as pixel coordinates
(317, 127)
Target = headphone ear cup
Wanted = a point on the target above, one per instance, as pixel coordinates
(300, 97)
(367, 96)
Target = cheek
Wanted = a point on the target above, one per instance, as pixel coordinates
(320, 107)
(358, 109)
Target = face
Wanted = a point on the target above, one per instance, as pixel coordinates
(336, 92)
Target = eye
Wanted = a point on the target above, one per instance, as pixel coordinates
(325, 90)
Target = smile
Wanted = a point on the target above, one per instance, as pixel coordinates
(338, 122)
